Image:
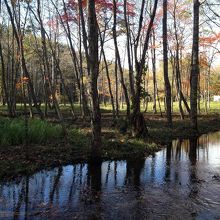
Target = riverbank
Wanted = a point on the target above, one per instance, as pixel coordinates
(48, 149)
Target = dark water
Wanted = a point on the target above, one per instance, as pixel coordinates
(181, 181)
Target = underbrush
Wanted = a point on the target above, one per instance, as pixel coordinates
(47, 146)
(129, 148)
(12, 131)
(78, 138)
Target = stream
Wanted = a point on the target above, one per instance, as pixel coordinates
(182, 181)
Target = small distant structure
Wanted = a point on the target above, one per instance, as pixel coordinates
(216, 98)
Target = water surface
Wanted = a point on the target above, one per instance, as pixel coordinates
(182, 181)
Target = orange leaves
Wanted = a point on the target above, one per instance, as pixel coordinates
(206, 41)
(155, 46)
(23, 80)
(84, 3)
(18, 85)
(203, 61)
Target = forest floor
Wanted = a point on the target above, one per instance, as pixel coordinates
(53, 149)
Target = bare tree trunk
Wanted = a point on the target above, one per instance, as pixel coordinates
(177, 70)
(77, 67)
(118, 59)
(84, 33)
(116, 89)
(131, 71)
(153, 52)
(138, 123)
(4, 86)
(18, 36)
(165, 60)
(47, 65)
(199, 95)
(85, 109)
(194, 66)
(108, 76)
(93, 62)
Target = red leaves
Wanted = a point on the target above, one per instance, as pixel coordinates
(104, 5)
(68, 18)
(74, 3)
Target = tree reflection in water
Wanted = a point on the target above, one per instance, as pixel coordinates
(177, 180)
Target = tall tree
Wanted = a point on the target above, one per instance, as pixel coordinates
(118, 58)
(129, 51)
(165, 66)
(138, 122)
(46, 63)
(16, 26)
(93, 62)
(194, 75)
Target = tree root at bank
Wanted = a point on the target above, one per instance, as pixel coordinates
(139, 128)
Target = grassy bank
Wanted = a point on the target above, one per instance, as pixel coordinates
(47, 146)
(159, 133)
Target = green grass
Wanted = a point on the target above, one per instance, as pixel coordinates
(18, 159)
(12, 131)
(214, 108)
(47, 146)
